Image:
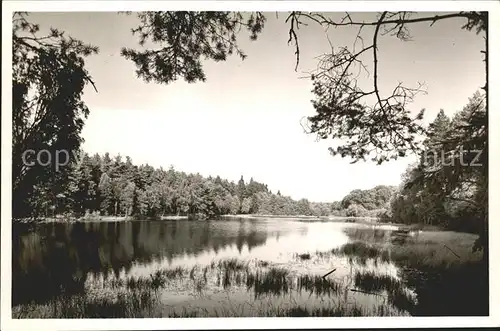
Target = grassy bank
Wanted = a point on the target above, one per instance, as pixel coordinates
(440, 265)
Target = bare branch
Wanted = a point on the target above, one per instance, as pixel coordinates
(293, 35)
(375, 60)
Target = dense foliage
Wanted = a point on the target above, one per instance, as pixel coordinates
(375, 198)
(449, 186)
(48, 77)
(185, 39)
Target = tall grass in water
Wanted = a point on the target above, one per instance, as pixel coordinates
(440, 266)
(138, 296)
(125, 305)
(273, 281)
(436, 250)
(319, 285)
(304, 256)
(394, 289)
(372, 282)
(445, 273)
(362, 251)
(427, 250)
(368, 235)
(332, 309)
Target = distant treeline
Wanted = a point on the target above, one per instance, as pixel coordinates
(102, 185)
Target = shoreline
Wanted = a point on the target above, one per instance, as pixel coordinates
(368, 221)
(104, 219)
(331, 218)
(97, 219)
(182, 217)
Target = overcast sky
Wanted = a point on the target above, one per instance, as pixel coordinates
(245, 120)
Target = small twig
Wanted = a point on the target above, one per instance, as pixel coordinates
(329, 273)
(451, 251)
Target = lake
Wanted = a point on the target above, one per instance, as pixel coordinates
(238, 267)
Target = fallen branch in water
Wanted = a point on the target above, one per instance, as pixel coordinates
(329, 273)
(451, 251)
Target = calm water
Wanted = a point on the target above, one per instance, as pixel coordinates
(69, 259)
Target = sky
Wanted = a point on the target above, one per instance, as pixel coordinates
(245, 120)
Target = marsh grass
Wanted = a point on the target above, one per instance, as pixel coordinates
(231, 264)
(139, 305)
(173, 273)
(304, 256)
(125, 305)
(440, 266)
(361, 252)
(262, 263)
(131, 297)
(440, 249)
(274, 281)
(138, 296)
(358, 248)
(373, 282)
(319, 285)
(303, 311)
(395, 290)
(368, 235)
(332, 309)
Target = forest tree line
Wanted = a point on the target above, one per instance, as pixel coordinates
(114, 186)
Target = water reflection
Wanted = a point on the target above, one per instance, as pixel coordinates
(57, 258)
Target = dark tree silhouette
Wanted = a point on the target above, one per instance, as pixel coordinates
(186, 37)
(373, 124)
(47, 114)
